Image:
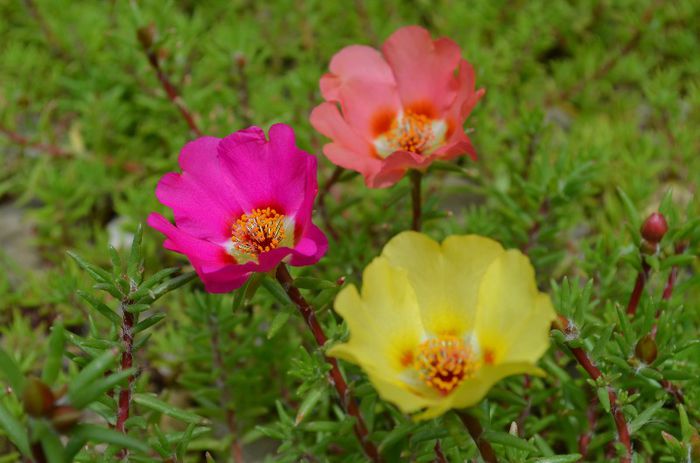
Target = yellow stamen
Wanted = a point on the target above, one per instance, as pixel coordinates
(442, 363)
(413, 132)
(259, 231)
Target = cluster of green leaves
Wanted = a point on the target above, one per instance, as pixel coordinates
(571, 159)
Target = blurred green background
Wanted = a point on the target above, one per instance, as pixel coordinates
(583, 99)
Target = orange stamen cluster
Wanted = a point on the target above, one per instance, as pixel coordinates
(259, 231)
(412, 132)
(442, 363)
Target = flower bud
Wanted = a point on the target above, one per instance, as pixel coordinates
(561, 323)
(37, 398)
(654, 228)
(65, 417)
(146, 35)
(646, 350)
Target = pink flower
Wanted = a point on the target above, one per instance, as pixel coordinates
(242, 204)
(402, 108)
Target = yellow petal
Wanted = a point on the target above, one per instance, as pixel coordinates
(472, 390)
(445, 277)
(513, 317)
(397, 393)
(384, 322)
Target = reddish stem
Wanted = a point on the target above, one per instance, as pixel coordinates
(476, 431)
(170, 89)
(127, 361)
(585, 439)
(668, 386)
(336, 377)
(416, 177)
(639, 284)
(53, 150)
(439, 455)
(623, 433)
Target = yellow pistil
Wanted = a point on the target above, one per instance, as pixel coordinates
(413, 132)
(443, 362)
(259, 231)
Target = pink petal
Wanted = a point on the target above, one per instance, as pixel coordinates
(348, 149)
(369, 107)
(200, 197)
(310, 248)
(356, 62)
(423, 67)
(266, 173)
(202, 254)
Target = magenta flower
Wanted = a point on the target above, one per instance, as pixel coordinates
(398, 109)
(242, 204)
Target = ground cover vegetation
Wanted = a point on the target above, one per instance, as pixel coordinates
(585, 159)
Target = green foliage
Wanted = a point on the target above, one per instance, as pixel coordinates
(589, 124)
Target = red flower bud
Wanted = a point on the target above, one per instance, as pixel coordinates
(37, 398)
(654, 228)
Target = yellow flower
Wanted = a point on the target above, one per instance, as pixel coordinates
(435, 326)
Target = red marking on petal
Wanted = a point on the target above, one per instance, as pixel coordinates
(227, 258)
(382, 120)
(450, 129)
(407, 358)
(489, 356)
(425, 108)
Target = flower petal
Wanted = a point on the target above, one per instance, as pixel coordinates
(445, 278)
(310, 248)
(263, 173)
(356, 62)
(513, 317)
(200, 197)
(423, 67)
(349, 149)
(383, 320)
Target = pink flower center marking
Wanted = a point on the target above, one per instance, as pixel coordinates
(442, 363)
(259, 231)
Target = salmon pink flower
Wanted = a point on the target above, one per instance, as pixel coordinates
(242, 204)
(402, 108)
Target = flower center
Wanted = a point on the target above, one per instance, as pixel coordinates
(261, 230)
(442, 363)
(413, 132)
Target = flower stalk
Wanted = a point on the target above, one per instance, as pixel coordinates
(477, 433)
(146, 36)
(336, 377)
(127, 361)
(416, 178)
(594, 372)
